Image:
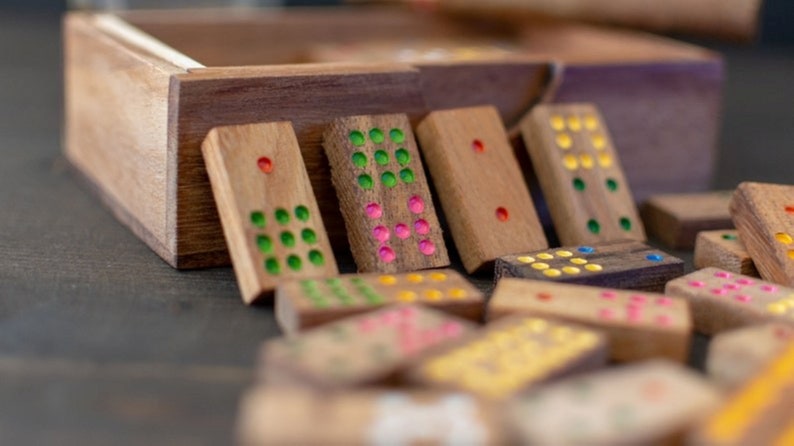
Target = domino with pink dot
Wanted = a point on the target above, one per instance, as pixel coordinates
(722, 300)
(383, 194)
(639, 325)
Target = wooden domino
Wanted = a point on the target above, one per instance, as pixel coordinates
(652, 402)
(365, 349)
(383, 194)
(764, 216)
(735, 356)
(288, 416)
(723, 249)
(511, 355)
(580, 174)
(270, 217)
(479, 183)
(760, 413)
(676, 219)
(625, 264)
(721, 300)
(638, 325)
(311, 302)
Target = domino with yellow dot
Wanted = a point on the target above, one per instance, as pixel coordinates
(580, 174)
(307, 303)
(512, 355)
(764, 216)
(639, 325)
(626, 264)
(722, 300)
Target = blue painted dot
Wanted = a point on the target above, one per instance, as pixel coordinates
(654, 257)
(587, 249)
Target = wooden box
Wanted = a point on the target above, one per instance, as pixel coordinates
(144, 88)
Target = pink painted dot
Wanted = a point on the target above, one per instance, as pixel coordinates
(664, 320)
(367, 325)
(745, 281)
(744, 298)
(609, 295)
(381, 233)
(638, 299)
(606, 313)
(430, 337)
(416, 204)
(408, 347)
(374, 210)
(402, 231)
(769, 288)
(427, 247)
(634, 314)
(732, 286)
(664, 301)
(389, 318)
(408, 313)
(719, 291)
(697, 284)
(451, 329)
(387, 254)
(421, 226)
(723, 275)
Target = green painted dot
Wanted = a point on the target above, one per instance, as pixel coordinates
(358, 280)
(403, 157)
(357, 138)
(264, 243)
(272, 266)
(365, 181)
(309, 284)
(372, 297)
(282, 216)
(309, 236)
(334, 281)
(612, 185)
(397, 135)
(376, 135)
(287, 239)
(625, 223)
(320, 303)
(381, 157)
(388, 179)
(729, 237)
(258, 219)
(578, 184)
(294, 262)
(302, 213)
(593, 226)
(316, 257)
(407, 175)
(359, 159)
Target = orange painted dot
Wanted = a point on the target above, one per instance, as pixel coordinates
(544, 296)
(265, 164)
(790, 254)
(457, 293)
(790, 209)
(784, 238)
(478, 146)
(433, 295)
(502, 214)
(414, 278)
(406, 296)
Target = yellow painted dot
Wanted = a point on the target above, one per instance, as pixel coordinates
(604, 160)
(414, 278)
(585, 340)
(564, 141)
(561, 333)
(570, 162)
(545, 256)
(536, 325)
(574, 123)
(433, 295)
(564, 253)
(387, 280)
(540, 266)
(557, 123)
(599, 142)
(578, 261)
(552, 273)
(590, 122)
(790, 254)
(457, 293)
(594, 267)
(586, 160)
(526, 259)
(571, 270)
(789, 302)
(776, 308)
(406, 296)
(784, 238)
(437, 277)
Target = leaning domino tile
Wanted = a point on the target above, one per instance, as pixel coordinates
(723, 249)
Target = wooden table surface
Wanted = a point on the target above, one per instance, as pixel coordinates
(101, 342)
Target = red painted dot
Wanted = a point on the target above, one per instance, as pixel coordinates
(265, 165)
(402, 231)
(501, 214)
(544, 296)
(478, 146)
(387, 254)
(421, 226)
(790, 209)
(427, 247)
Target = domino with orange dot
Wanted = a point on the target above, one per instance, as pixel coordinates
(311, 302)
(369, 348)
(722, 300)
(639, 325)
(759, 413)
(625, 264)
(764, 216)
(652, 402)
(725, 250)
(512, 355)
(479, 183)
(735, 356)
(270, 216)
(383, 194)
(580, 174)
